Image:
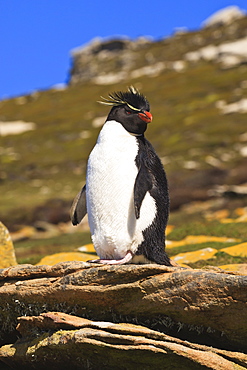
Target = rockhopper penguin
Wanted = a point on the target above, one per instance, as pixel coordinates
(126, 193)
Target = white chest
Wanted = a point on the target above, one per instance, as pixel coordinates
(111, 171)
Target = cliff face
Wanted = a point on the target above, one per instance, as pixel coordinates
(222, 39)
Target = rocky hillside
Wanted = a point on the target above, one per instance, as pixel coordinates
(222, 40)
(196, 83)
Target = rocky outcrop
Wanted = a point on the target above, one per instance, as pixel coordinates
(104, 55)
(203, 306)
(15, 127)
(7, 251)
(224, 16)
(228, 54)
(105, 62)
(58, 340)
(237, 107)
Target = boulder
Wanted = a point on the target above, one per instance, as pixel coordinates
(7, 252)
(65, 257)
(25, 232)
(203, 306)
(57, 340)
(15, 127)
(228, 54)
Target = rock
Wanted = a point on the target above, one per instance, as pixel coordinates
(66, 256)
(191, 257)
(20, 100)
(177, 65)
(197, 239)
(208, 307)
(232, 54)
(99, 55)
(56, 340)
(191, 165)
(88, 248)
(241, 212)
(241, 268)
(98, 121)
(243, 137)
(228, 54)
(7, 251)
(110, 78)
(224, 16)
(59, 86)
(237, 107)
(243, 150)
(236, 250)
(25, 232)
(150, 71)
(209, 53)
(231, 191)
(217, 215)
(243, 215)
(15, 127)
(45, 230)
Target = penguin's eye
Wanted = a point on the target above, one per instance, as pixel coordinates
(128, 112)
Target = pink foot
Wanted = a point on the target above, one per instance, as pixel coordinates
(124, 260)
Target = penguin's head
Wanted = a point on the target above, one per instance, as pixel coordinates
(130, 109)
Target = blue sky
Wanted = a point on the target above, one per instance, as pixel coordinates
(36, 36)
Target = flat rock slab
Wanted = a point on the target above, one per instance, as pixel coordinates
(193, 304)
(56, 340)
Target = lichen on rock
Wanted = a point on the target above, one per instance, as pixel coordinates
(59, 340)
(7, 252)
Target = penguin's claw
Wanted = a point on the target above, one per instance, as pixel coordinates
(122, 261)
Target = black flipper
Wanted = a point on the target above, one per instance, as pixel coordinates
(79, 207)
(143, 183)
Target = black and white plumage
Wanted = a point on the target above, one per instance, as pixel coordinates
(126, 193)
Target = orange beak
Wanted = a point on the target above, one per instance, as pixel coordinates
(146, 116)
